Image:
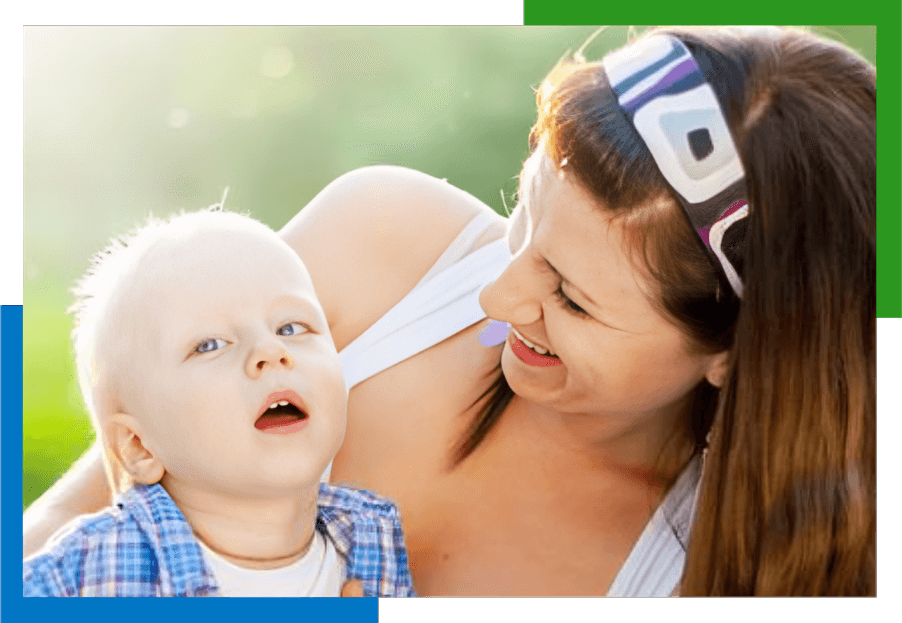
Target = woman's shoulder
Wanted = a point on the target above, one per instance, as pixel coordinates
(370, 236)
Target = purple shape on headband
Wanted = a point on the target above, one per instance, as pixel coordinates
(672, 77)
(494, 334)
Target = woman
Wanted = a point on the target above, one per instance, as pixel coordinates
(692, 345)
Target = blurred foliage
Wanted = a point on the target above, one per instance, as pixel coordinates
(120, 122)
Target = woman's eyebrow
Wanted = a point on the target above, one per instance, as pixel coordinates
(589, 299)
(570, 283)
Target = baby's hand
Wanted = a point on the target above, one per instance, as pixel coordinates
(352, 588)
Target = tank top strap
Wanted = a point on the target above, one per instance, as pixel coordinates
(444, 302)
(654, 567)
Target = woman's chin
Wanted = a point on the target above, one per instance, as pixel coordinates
(533, 383)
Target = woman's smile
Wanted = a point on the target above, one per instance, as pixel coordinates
(529, 353)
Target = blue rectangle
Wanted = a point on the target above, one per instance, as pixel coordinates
(153, 610)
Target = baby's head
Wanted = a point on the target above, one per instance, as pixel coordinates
(206, 361)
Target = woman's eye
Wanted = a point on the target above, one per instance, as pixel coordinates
(292, 328)
(210, 345)
(569, 304)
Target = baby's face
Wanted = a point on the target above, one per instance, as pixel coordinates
(237, 383)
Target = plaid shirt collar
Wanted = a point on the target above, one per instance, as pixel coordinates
(171, 536)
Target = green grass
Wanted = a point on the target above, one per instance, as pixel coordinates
(56, 428)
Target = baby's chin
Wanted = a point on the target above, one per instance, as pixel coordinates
(221, 490)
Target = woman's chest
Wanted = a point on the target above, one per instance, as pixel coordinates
(404, 422)
(478, 534)
(508, 520)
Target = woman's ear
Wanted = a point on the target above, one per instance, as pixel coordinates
(717, 369)
(124, 439)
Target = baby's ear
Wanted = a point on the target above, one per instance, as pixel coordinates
(124, 437)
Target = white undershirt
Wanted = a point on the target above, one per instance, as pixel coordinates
(317, 574)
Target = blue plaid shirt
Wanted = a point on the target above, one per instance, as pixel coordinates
(144, 547)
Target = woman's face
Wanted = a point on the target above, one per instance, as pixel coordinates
(573, 289)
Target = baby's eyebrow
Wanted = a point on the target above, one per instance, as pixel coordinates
(311, 303)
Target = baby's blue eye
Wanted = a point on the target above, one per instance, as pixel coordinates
(292, 328)
(210, 345)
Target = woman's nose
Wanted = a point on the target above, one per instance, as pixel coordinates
(269, 353)
(517, 295)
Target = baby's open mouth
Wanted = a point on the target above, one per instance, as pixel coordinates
(279, 414)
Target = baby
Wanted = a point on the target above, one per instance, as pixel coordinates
(210, 374)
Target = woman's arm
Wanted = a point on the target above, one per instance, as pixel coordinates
(83, 489)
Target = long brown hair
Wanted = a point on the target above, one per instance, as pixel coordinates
(787, 502)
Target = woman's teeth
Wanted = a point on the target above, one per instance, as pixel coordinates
(281, 403)
(538, 349)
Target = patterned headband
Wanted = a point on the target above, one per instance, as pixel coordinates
(663, 94)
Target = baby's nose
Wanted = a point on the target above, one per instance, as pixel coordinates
(271, 354)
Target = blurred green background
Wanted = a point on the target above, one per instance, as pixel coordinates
(120, 122)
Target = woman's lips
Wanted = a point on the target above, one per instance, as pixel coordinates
(530, 357)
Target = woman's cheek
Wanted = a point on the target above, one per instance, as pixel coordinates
(576, 345)
(518, 225)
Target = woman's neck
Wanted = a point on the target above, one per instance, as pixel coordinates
(649, 449)
(250, 532)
